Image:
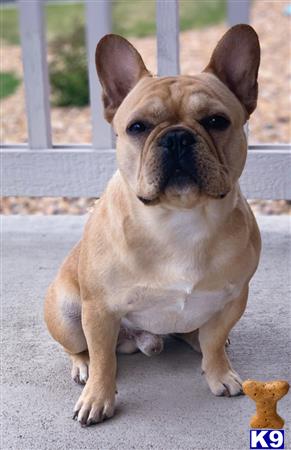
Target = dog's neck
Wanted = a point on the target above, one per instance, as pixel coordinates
(204, 220)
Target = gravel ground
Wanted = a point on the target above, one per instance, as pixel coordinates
(270, 123)
(60, 205)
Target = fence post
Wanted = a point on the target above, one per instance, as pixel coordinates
(238, 11)
(98, 18)
(34, 57)
(167, 12)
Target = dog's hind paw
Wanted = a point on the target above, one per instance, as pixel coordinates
(80, 367)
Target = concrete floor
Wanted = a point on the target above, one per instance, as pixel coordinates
(163, 401)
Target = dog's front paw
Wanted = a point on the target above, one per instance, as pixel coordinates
(94, 405)
(226, 384)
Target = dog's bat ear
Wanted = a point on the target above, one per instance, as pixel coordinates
(119, 68)
(235, 61)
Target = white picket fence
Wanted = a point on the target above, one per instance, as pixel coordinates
(41, 169)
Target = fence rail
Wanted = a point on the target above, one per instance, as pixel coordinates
(83, 172)
(41, 169)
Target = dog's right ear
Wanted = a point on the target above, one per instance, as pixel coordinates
(119, 68)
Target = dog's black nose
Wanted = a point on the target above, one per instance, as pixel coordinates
(177, 142)
(178, 146)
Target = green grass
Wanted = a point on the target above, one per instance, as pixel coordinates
(201, 13)
(60, 19)
(8, 84)
(130, 17)
(138, 18)
(9, 24)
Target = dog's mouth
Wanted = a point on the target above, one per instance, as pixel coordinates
(180, 178)
(178, 182)
(181, 183)
(148, 201)
(187, 171)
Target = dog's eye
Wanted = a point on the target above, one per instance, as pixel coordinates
(215, 122)
(137, 128)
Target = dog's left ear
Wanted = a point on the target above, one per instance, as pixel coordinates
(235, 61)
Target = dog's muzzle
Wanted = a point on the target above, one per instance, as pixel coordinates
(178, 146)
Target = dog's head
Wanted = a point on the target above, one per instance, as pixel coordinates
(180, 139)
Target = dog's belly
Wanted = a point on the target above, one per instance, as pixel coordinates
(176, 311)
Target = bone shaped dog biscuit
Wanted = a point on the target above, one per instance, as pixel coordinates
(266, 395)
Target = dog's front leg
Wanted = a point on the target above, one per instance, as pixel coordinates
(221, 378)
(101, 329)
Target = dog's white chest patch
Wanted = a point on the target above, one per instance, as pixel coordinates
(178, 309)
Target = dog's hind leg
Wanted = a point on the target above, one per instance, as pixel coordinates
(63, 316)
(192, 339)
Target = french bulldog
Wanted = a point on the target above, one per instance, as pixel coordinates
(172, 244)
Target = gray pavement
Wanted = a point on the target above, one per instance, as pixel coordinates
(163, 401)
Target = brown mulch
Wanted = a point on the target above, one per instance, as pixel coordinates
(61, 205)
(270, 123)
